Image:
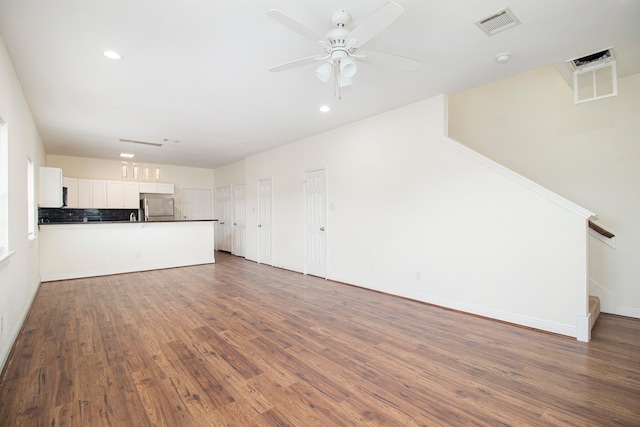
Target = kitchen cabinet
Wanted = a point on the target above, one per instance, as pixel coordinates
(102, 194)
(164, 188)
(130, 195)
(50, 187)
(114, 194)
(156, 188)
(123, 195)
(85, 195)
(148, 187)
(99, 193)
(72, 191)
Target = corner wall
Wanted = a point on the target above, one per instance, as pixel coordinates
(409, 215)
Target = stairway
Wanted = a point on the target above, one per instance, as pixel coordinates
(594, 310)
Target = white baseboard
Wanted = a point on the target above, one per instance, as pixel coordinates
(544, 325)
(123, 269)
(628, 311)
(609, 302)
(13, 336)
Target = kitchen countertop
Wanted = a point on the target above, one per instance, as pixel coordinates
(124, 222)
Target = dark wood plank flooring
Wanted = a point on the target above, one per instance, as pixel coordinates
(242, 344)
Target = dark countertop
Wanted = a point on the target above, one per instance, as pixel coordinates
(124, 222)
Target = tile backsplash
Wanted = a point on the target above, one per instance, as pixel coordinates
(56, 215)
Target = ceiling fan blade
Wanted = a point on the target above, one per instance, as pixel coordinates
(296, 26)
(298, 63)
(387, 60)
(376, 22)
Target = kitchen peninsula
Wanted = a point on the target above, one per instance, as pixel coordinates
(73, 250)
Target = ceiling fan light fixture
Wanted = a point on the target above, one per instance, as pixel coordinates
(323, 72)
(348, 67)
(344, 81)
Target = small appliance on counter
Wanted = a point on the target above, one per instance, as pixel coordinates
(157, 209)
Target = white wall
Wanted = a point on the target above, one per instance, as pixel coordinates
(19, 274)
(232, 174)
(410, 215)
(588, 153)
(180, 176)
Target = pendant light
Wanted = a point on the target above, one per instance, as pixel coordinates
(123, 169)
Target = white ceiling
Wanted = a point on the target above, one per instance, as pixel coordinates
(196, 70)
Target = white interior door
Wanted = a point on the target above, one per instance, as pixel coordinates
(315, 257)
(265, 220)
(238, 220)
(225, 220)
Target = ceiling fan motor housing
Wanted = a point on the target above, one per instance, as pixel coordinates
(340, 18)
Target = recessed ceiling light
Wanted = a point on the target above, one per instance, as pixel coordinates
(111, 54)
(127, 155)
(325, 109)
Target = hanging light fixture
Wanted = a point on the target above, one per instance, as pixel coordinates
(135, 171)
(348, 67)
(146, 171)
(123, 169)
(157, 172)
(343, 68)
(323, 72)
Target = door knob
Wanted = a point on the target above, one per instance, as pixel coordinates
(259, 225)
(321, 228)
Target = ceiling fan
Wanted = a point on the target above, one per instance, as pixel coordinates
(342, 45)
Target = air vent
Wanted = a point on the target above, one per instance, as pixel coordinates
(135, 141)
(594, 76)
(592, 59)
(499, 21)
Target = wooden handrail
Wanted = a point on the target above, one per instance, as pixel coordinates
(597, 228)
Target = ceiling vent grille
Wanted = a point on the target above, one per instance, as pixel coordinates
(594, 76)
(499, 21)
(592, 59)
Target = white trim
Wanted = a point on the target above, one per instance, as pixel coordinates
(122, 270)
(628, 311)
(611, 242)
(583, 327)
(13, 336)
(516, 319)
(578, 210)
(608, 301)
(4, 258)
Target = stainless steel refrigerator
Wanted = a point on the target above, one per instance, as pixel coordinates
(157, 209)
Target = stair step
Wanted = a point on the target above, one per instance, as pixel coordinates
(594, 309)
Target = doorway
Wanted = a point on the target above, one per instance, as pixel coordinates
(315, 222)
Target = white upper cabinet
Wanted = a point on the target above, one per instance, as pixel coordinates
(156, 188)
(99, 193)
(130, 195)
(50, 187)
(115, 194)
(72, 191)
(85, 193)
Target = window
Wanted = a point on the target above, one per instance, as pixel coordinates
(31, 199)
(4, 190)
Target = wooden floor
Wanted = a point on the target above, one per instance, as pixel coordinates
(242, 344)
